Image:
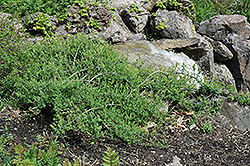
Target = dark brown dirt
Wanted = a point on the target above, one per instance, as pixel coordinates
(224, 145)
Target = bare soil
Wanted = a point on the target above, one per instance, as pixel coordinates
(224, 145)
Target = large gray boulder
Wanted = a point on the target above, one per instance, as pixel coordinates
(117, 31)
(206, 56)
(172, 25)
(178, 45)
(218, 27)
(135, 17)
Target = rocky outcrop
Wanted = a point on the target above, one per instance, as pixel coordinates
(117, 31)
(239, 65)
(229, 36)
(135, 17)
(178, 45)
(221, 52)
(126, 20)
(197, 49)
(172, 25)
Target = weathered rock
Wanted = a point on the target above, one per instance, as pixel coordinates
(61, 30)
(148, 5)
(117, 30)
(147, 52)
(206, 56)
(175, 44)
(97, 21)
(138, 36)
(135, 19)
(172, 25)
(175, 162)
(197, 49)
(151, 5)
(222, 73)
(120, 4)
(234, 114)
(221, 52)
(239, 65)
(74, 14)
(218, 27)
(8, 17)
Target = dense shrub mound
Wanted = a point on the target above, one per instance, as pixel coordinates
(85, 85)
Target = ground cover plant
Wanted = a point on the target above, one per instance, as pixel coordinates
(84, 85)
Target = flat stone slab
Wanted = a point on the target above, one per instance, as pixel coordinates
(169, 44)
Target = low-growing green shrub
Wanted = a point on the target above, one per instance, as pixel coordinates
(85, 85)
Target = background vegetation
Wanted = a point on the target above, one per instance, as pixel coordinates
(205, 9)
(85, 85)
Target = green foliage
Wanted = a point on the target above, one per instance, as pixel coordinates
(45, 152)
(91, 23)
(206, 9)
(85, 85)
(135, 8)
(169, 4)
(110, 158)
(40, 23)
(10, 41)
(88, 6)
(175, 5)
(161, 26)
(206, 127)
(5, 139)
(26, 7)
